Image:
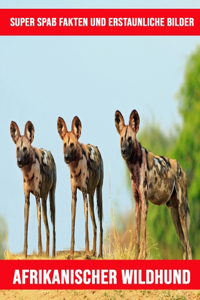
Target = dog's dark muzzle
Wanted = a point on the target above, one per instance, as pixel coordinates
(126, 153)
(66, 158)
(19, 163)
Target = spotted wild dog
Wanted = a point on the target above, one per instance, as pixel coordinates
(39, 174)
(86, 174)
(156, 178)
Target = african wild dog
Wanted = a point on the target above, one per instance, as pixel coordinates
(39, 174)
(86, 174)
(156, 178)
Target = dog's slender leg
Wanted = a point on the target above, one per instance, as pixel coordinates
(39, 224)
(86, 224)
(183, 214)
(145, 206)
(73, 212)
(138, 223)
(26, 218)
(177, 224)
(91, 204)
(183, 219)
(44, 214)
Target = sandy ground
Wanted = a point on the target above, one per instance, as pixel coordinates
(98, 294)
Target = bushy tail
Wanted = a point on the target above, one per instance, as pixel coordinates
(52, 198)
(52, 213)
(100, 212)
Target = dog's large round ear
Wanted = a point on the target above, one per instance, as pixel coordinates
(76, 127)
(29, 131)
(14, 131)
(62, 127)
(119, 121)
(134, 120)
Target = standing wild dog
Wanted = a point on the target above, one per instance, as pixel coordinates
(39, 173)
(156, 178)
(86, 174)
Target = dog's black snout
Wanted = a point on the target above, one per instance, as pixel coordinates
(123, 151)
(19, 161)
(66, 158)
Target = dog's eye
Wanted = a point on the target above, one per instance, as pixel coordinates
(121, 139)
(71, 145)
(24, 149)
(65, 145)
(129, 139)
(17, 149)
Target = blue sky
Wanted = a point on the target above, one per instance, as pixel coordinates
(43, 78)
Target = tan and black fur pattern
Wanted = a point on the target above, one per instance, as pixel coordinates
(86, 174)
(39, 174)
(156, 178)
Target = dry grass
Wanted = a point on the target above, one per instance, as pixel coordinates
(59, 255)
(120, 243)
(119, 239)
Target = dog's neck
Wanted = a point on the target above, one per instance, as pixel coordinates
(74, 164)
(136, 156)
(31, 160)
(134, 164)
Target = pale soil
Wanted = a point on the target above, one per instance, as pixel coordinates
(98, 294)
